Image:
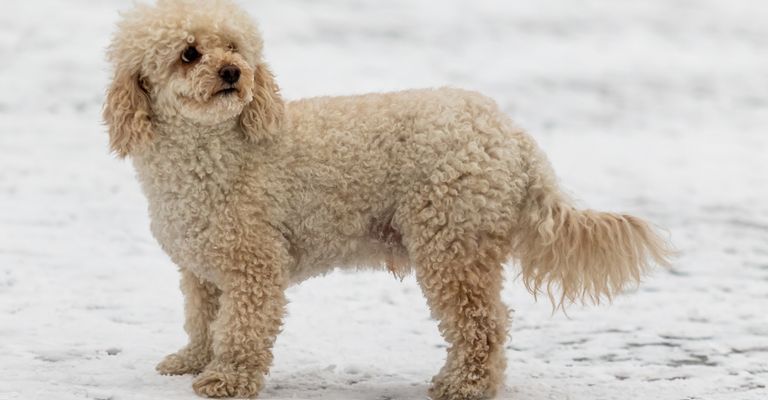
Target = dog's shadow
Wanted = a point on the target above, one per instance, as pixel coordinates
(326, 383)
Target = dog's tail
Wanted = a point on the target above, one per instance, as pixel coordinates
(585, 254)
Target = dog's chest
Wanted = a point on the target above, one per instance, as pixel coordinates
(183, 222)
(187, 199)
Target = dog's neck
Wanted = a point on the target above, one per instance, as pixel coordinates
(185, 157)
(179, 129)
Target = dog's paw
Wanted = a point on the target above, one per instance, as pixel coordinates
(446, 387)
(228, 381)
(183, 362)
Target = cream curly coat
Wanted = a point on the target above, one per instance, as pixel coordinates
(248, 195)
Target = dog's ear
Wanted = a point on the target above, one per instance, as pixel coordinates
(127, 114)
(263, 117)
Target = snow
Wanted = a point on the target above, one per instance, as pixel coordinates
(658, 108)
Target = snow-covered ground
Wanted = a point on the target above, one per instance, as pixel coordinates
(655, 107)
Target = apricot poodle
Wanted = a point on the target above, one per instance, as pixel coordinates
(249, 194)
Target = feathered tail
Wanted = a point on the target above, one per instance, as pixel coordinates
(585, 254)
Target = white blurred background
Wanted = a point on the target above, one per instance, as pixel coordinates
(658, 108)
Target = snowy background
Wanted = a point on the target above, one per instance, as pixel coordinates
(655, 107)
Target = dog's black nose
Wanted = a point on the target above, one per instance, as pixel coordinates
(230, 74)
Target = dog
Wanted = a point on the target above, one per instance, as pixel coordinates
(249, 194)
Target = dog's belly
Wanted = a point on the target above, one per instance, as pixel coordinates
(357, 240)
(363, 253)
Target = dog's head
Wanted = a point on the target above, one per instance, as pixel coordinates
(200, 61)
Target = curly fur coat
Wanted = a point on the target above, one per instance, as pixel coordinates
(248, 195)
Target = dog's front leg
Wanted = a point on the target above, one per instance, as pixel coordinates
(251, 309)
(201, 303)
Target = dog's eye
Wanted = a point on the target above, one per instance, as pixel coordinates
(190, 54)
(231, 47)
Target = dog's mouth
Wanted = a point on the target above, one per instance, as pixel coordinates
(226, 91)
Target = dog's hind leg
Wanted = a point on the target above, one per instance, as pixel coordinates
(465, 299)
(457, 240)
(201, 302)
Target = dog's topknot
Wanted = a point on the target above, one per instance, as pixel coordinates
(148, 33)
